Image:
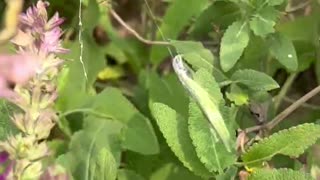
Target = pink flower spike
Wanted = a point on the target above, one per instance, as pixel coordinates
(18, 68)
(54, 22)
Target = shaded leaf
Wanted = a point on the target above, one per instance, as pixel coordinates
(168, 92)
(220, 13)
(112, 103)
(234, 41)
(176, 18)
(281, 143)
(283, 50)
(126, 174)
(173, 171)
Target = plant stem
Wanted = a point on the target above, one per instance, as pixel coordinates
(292, 108)
(280, 117)
(305, 105)
(132, 31)
(284, 90)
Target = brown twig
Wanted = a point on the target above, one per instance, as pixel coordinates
(292, 107)
(132, 31)
(280, 117)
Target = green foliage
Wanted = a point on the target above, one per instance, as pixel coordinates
(291, 142)
(125, 174)
(199, 57)
(278, 174)
(95, 150)
(137, 126)
(254, 80)
(103, 165)
(210, 150)
(175, 129)
(126, 114)
(220, 13)
(263, 22)
(173, 24)
(6, 126)
(283, 50)
(234, 40)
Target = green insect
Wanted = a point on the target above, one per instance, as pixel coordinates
(202, 97)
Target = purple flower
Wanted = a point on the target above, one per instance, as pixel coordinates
(16, 69)
(4, 158)
(43, 34)
(51, 42)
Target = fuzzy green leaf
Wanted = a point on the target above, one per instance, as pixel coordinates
(279, 174)
(275, 2)
(175, 130)
(263, 22)
(234, 41)
(290, 142)
(254, 80)
(103, 166)
(209, 148)
(126, 174)
(283, 50)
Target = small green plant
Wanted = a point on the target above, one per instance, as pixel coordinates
(160, 90)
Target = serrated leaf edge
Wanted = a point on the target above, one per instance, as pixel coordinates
(276, 134)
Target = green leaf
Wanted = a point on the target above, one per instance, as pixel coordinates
(90, 148)
(194, 53)
(234, 41)
(176, 18)
(254, 80)
(173, 171)
(175, 130)
(229, 174)
(7, 127)
(126, 174)
(303, 28)
(279, 174)
(263, 22)
(211, 151)
(168, 92)
(290, 142)
(237, 95)
(275, 2)
(112, 103)
(199, 57)
(219, 13)
(103, 166)
(283, 50)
